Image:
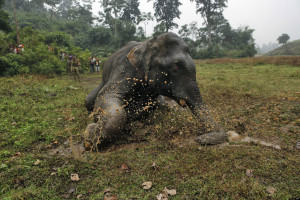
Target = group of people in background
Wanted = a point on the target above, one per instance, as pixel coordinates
(74, 64)
(50, 49)
(16, 49)
(95, 64)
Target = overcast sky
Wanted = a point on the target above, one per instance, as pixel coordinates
(269, 18)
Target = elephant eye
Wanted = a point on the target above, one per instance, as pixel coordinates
(175, 68)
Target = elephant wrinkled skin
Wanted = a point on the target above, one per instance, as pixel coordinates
(134, 76)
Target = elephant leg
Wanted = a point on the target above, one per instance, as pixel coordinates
(90, 100)
(109, 117)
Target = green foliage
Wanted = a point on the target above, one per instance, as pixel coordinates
(120, 16)
(227, 42)
(4, 24)
(166, 12)
(100, 36)
(58, 38)
(212, 13)
(145, 18)
(65, 24)
(35, 20)
(283, 39)
(32, 60)
(217, 38)
(125, 10)
(35, 58)
(131, 11)
(159, 29)
(127, 31)
(27, 6)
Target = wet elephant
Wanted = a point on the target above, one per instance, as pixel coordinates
(134, 76)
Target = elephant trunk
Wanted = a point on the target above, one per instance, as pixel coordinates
(213, 133)
(200, 110)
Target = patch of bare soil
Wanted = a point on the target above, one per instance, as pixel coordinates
(61, 151)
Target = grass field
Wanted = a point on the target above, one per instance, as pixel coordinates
(43, 119)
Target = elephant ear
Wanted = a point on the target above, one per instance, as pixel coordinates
(140, 57)
(134, 56)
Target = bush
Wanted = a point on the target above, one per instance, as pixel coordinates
(36, 59)
(10, 65)
(51, 66)
(13, 64)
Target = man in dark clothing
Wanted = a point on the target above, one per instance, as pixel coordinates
(92, 61)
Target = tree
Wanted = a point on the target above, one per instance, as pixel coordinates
(4, 24)
(64, 8)
(99, 36)
(212, 13)
(166, 11)
(283, 39)
(121, 16)
(16, 21)
(140, 33)
(184, 32)
(28, 5)
(82, 13)
(190, 30)
(145, 17)
(159, 29)
(131, 11)
(114, 12)
(52, 4)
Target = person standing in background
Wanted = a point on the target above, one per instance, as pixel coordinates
(92, 62)
(75, 64)
(97, 65)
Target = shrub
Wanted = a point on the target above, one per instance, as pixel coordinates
(36, 59)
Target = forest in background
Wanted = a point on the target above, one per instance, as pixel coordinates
(70, 26)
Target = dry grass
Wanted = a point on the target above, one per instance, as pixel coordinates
(262, 60)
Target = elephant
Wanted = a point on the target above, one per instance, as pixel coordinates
(134, 76)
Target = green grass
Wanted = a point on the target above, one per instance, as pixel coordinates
(38, 115)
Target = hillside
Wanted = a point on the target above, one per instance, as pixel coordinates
(291, 48)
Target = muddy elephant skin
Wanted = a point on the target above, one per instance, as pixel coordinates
(134, 76)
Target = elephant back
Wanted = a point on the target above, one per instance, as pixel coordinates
(117, 62)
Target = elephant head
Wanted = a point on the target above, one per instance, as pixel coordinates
(170, 71)
(160, 66)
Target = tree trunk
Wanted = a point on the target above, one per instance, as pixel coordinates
(16, 22)
(209, 34)
(116, 30)
(209, 22)
(51, 14)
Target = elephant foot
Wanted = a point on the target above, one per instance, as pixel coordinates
(92, 137)
(97, 137)
(89, 136)
(212, 138)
